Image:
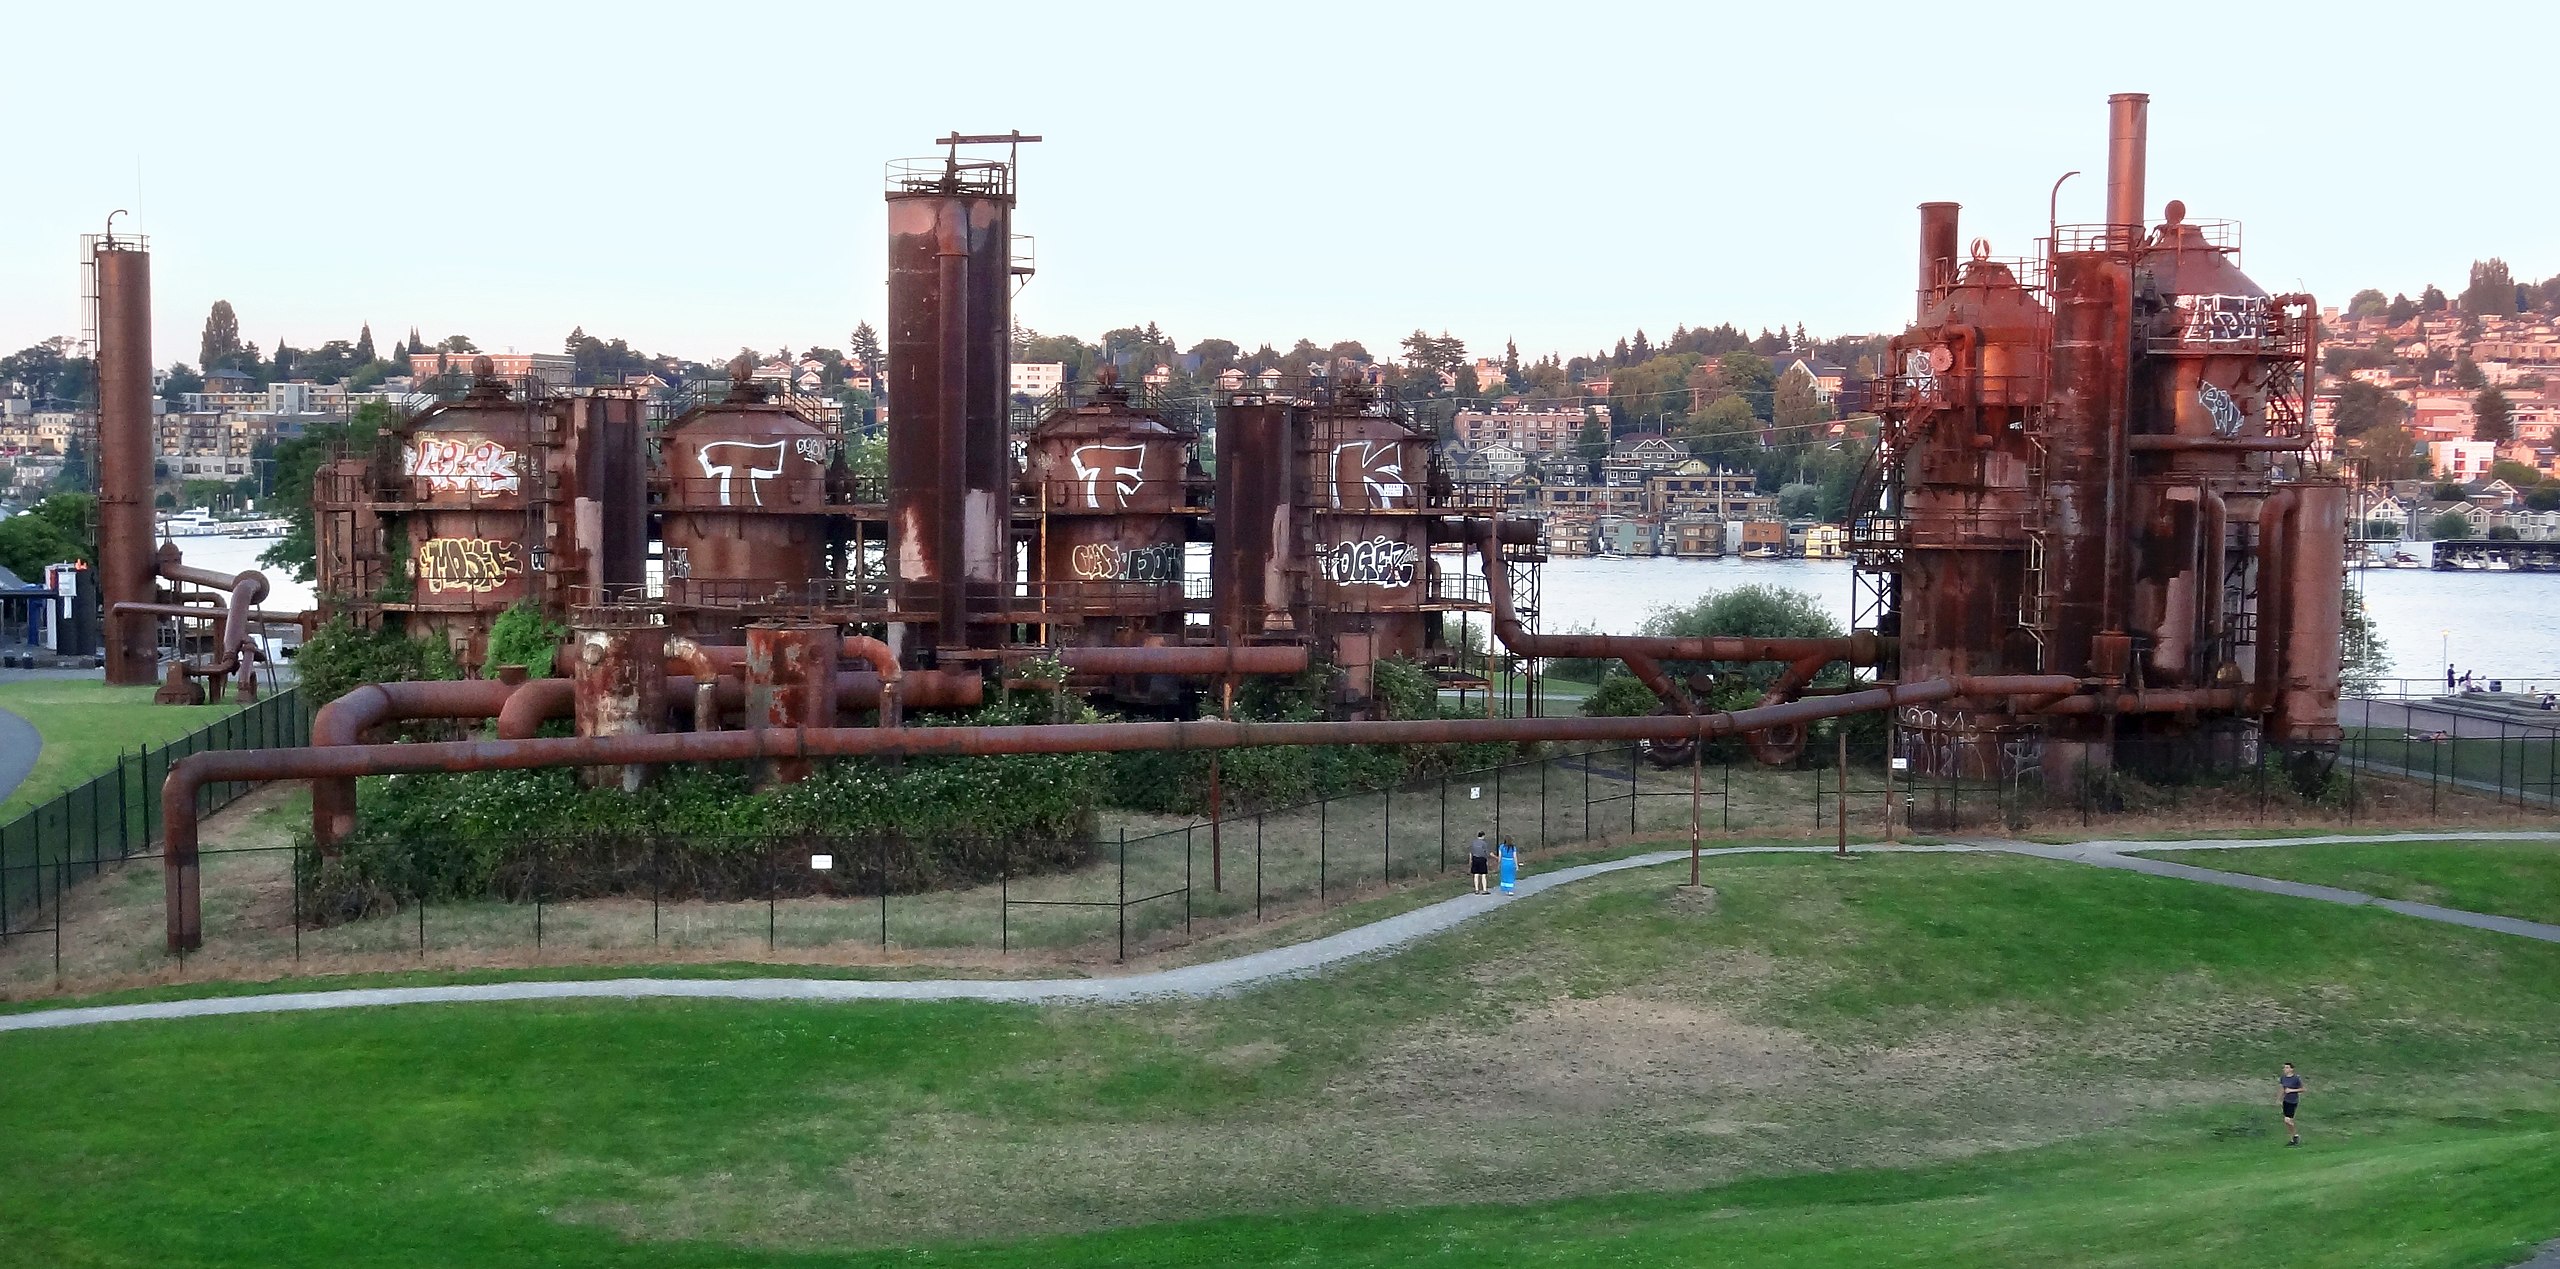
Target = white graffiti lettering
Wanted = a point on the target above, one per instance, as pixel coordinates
(1919, 372)
(1108, 562)
(679, 563)
(1381, 561)
(2225, 411)
(462, 466)
(2222, 319)
(1375, 467)
(1108, 461)
(473, 565)
(756, 472)
(813, 448)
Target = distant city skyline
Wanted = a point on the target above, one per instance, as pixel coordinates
(1334, 173)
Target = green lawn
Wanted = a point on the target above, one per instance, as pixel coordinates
(2517, 879)
(1935, 1060)
(85, 724)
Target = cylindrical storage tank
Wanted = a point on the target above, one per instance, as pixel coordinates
(618, 681)
(1253, 566)
(1371, 565)
(475, 477)
(746, 506)
(791, 682)
(949, 350)
(1108, 480)
(2307, 700)
(125, 452)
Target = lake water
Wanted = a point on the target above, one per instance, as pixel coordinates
(2507, 624)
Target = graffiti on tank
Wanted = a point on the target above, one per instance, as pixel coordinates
(462, 466)
(2222, 319)
(813, 448)
(733, 457)
(1381, 561)
(2225, 411)
(679, 563)
(1375, 466)
(1109, 562)
(1123, 465)
(471, 565)
(1920, 370)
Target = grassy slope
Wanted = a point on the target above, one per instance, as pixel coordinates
(2518, 879)
(781, 1135)
(85, 724)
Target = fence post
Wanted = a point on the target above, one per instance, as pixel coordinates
(657, 885)
(1634, 791)
(1186, 882)
(1323, 831)
(1542, 803)
(768, 899)
(294, 854)
(1444, 823)
(1004, 901)
(882, 849)
(537, 899)
(1497, 803)
(1123, 907)
(1257, 866)
(422, 926)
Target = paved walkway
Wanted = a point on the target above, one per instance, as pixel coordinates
(19, 745)
(1297, 960)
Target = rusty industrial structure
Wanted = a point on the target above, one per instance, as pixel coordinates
(2096, 462)
(2093, 518)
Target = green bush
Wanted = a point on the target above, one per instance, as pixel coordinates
(340, 657)
(1620, 695)
(523, 636)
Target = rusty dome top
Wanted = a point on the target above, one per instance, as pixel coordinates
(2187, 257)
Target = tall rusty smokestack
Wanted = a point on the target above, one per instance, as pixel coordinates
(1937, 246)
(2128, 144)
(125, 537)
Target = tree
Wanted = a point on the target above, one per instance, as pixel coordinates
(2492, 419)
(2466, 374)
(2368, 303)
(181, 380)
(2521, 475)
(1593, 444)
(2452, 526)
(51, 532)
(2544, 496)
(364, 345)
(1750, 612)
(1511, 364)
(2362, 407)
(1750, 376)
(221, 337)
(1797, 407)
(865, 347)
(2431, 300)
(1215, 355)
(297, 463)
(1799, 501)
(2402, 309)
(457, 344)
(2384, 453)
(2492, 289)
(1442, 355)
(1726, 433)
(2367, 658)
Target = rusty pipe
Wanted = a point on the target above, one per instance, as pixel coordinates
(346, 762)
(1937, 247)
(537, 702)
(343, 722)
(1857, 649)
(2128, 146)
(2151, 442)
(2157, 701)
(884, 662)
(2275, 567)
(856, 691)
(706, 714)
(1185, 659)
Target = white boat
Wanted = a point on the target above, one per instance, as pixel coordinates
(194, 522)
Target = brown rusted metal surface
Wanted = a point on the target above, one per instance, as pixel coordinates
(949, 348)
(1109, 484)
(190, 774)
(344, 722)
(1253, 555)
(125, 452)
(747, 504)
(1196, 661)
(235, 647)
(2128, 159)
(1938, 246)
(791, 681)
(618, 688)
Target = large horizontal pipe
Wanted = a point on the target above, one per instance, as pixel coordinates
(1186, 659)
(2164, 701)
(544, 700)
(2155, 443)
(190, 774)
(344, 722)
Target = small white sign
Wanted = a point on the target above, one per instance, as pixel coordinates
(1902, 764)
(822, 863)
(1475, 791)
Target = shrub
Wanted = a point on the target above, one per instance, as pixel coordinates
(341, 656)
(523, 636)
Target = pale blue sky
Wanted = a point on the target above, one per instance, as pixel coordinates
(694, 178)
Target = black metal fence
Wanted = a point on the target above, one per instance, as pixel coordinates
(115, 815)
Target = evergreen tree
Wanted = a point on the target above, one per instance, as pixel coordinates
(2492, 419)
(364, 345)
(221, 337)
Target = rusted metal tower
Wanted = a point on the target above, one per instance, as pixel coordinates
(121, 282)
(950, 338)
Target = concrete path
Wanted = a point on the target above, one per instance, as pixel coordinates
(2115, 855)
(1298, 960)
(19, 745)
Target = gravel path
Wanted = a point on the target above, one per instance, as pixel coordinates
(1297, 960)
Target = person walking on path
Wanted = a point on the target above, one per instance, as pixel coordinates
(2289, 1086)
(1480, 863)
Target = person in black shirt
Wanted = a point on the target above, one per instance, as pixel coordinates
(2289, 1086)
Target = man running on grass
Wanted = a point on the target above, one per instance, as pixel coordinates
(2290, 1086)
